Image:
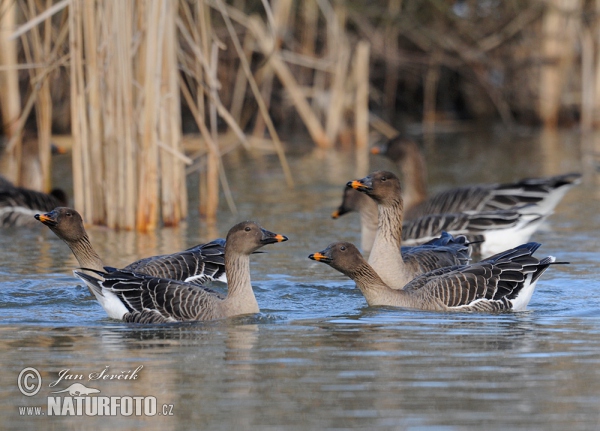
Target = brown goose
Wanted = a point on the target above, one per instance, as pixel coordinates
(501, 283)
(199, 264)
(540, 195)
(19, 204)
(140, 298)
(496, 229)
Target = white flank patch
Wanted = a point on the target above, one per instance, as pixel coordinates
(111, 303)
(522, 300)
(113, 306)
(498, 240)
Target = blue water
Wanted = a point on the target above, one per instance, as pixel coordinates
(317, 357)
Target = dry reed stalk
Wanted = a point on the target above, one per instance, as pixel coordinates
(43, 71)
(78, 109)
(115, 109)
(202, 39)
(308, 35)
(361, 75)
(361, 111)
(10, 102)
(94, 160)
(289, 82)
(147, 210)
(37, 52)
(264, 112)
(212, 146)
(391, 33)
(212, 171)
(241, 83)
(335, 111)
(558, 32)
(280, 22)
(587, 79)
(38, 19)
(382, 127)
(173, 186)
(339, 50)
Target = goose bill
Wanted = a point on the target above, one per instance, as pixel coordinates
(320, 257)
(46, 219)
(272, 238)
(359, 185)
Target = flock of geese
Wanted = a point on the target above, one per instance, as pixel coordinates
(420, 250)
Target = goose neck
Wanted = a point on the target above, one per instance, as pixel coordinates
(240, 295)
(85, 254)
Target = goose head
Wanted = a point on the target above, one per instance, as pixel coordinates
(65, 222)
(397, 149)
(249, 236)
(382, 186)
(342, 256)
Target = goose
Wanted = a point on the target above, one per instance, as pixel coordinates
(437, 252)
(199, 264)
(426, 255)
(542, 194)
(140, 298)
(504, 282)
(19, 204)
(426, 228)
(495, 229)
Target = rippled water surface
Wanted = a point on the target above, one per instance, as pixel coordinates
(317, 357)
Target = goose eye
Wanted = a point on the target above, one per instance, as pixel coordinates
(383, 179)
(343, 248)
(247, 229)
(68, 214)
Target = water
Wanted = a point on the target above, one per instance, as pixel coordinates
(317, 357)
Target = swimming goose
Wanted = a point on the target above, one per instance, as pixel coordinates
(425, 256)
(199, 264)
(18, 204)
(503, 282)
(426, 228)
(140, 298)
(540, 195)
(496, 229)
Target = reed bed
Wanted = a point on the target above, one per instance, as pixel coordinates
(241, 69)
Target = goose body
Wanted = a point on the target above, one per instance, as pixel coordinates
(535, 195)
(367, 208)
(504, 282)
(500, 229)
(496, 230)
(18, 205)
(199, 264)
(385, 257)
(141, 298)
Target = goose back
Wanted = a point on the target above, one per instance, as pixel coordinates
(541, 194)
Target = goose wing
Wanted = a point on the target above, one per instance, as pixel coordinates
(537, 195)
(141, 293)
(197, 265)
(439, 252)
(427, 227)
(542, 194)
(494, 284)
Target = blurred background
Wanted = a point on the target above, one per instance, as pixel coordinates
(146, 94)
